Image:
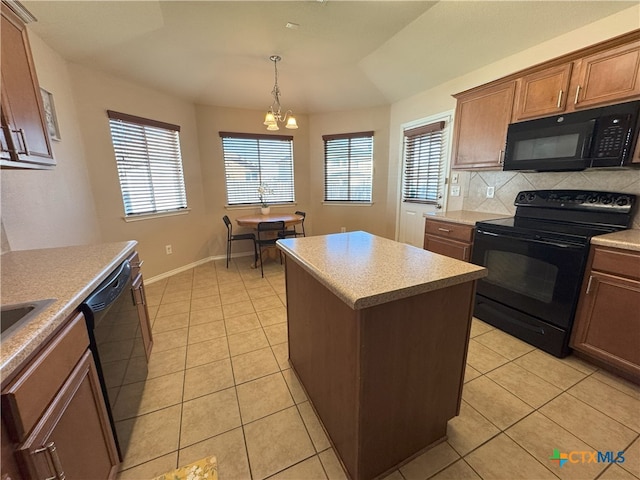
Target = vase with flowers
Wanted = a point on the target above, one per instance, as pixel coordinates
(263, 191)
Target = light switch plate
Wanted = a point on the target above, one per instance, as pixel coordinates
(491, 192)
(455, 190)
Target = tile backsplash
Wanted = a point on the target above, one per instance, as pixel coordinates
(508, 184)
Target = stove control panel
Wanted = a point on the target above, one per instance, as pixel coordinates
(585, 200)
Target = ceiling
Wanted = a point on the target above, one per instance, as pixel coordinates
(344, 54)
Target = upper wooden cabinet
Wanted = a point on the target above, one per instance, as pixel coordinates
(542, 93)
(25, 140)
(480, 130)
(608, 77)
(602, 74)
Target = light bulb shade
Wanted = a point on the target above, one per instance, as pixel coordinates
(291, 123)
(269, 120)
(273, 126)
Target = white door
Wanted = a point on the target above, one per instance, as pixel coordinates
(425, 164)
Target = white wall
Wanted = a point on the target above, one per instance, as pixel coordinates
(52, 208)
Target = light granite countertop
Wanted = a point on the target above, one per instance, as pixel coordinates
(466, 217)
(364, 270)
(626, 239)
(66, 274)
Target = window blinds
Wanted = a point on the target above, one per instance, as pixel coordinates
(348, 167)
(254, 160)
(423, 163)
(149, 164)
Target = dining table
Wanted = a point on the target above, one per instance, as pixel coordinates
(254, 219)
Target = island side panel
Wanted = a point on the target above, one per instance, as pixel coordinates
(323, 351)
(413, 358)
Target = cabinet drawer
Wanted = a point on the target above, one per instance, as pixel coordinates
(617, 262)
(26, 398)
(449, 248)
(455, 231)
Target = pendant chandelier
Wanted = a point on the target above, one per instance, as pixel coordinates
(275, 115)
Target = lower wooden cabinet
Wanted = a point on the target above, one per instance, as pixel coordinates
(73, 438)
(447, 238)
(140, 302)
(55, 415)
(607, 324)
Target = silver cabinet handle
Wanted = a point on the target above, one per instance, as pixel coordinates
(26, 150)
(575, 100)
(501, 157)
(53, 460)
(137, 264)
(444, 230)
(589, 284)
(560, 99)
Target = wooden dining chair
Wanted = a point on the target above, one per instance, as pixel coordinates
(292, 232)
(268, 235)
(242, 236)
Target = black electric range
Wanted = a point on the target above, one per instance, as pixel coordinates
(536, 261)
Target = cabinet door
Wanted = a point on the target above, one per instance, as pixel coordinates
(480, 130)
(607, 323)
(143, 314)
(74, 435)
(23, 114)
(608, 77)
(543, 93)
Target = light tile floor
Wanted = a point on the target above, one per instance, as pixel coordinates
(219, 384)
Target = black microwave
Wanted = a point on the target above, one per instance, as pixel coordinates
(598, 137)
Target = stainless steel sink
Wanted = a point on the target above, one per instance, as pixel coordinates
(12, 317)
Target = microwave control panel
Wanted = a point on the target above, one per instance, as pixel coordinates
(613, 136)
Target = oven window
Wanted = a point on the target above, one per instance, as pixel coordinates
(521, 274)
(561, 146)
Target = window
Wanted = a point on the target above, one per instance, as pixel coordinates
(348, 167)
(423, 163)
(254, 160)
(149, 164)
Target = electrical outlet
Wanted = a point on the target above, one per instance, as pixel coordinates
(455, 177)
(343, 229)
(455, 190)
(168, 249)
(491, 191)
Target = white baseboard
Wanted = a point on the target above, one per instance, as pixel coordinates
(189, 266)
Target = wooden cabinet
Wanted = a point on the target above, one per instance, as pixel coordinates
(602, 74)
(608, 77)
(55, 413)
(542, 93)
(25, 140)
(140, 302)
(446, 238)
(607, 324)
(480, 129)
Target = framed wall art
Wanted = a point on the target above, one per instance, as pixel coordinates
(50, 115)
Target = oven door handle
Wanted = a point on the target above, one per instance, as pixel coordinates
(567, 244)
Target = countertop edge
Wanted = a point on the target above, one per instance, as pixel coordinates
(57, 312)
(624, 240)
(464, 217)
(383, 297)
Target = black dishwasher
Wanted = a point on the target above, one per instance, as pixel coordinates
(116, 343)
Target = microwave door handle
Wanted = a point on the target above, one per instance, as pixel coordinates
(586, 145)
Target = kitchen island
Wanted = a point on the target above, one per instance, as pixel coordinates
(378, 336)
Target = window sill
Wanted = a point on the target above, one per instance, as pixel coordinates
(253, 207)
(149, 216)
(349, 204)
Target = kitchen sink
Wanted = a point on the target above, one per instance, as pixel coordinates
(12, 317)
